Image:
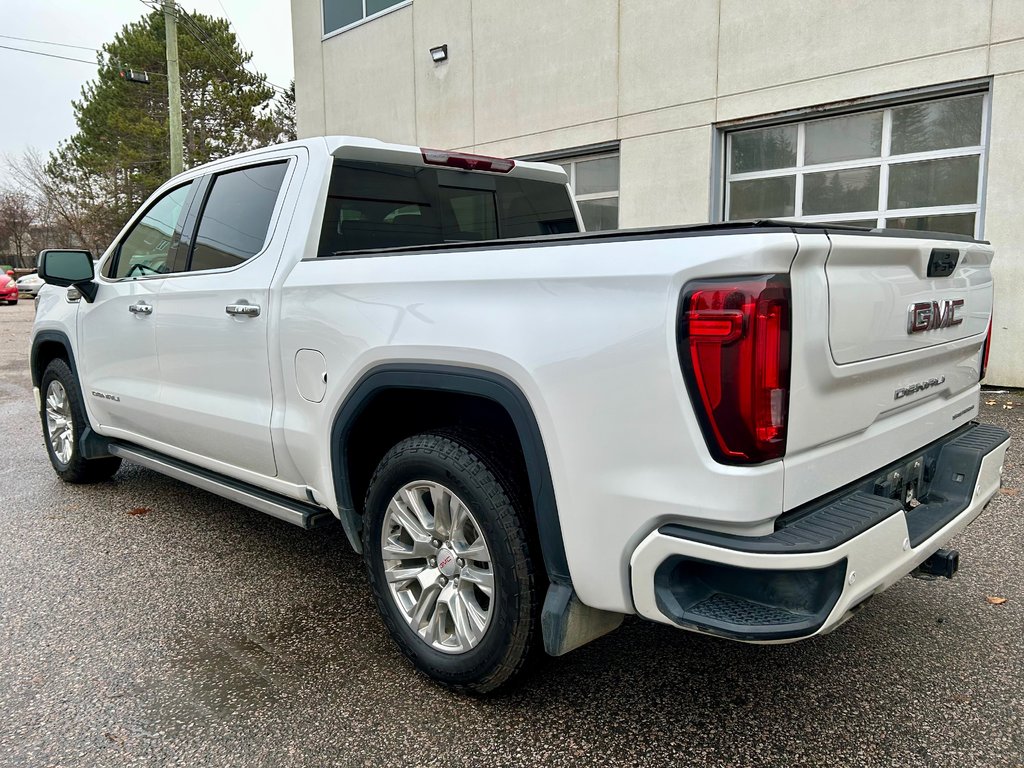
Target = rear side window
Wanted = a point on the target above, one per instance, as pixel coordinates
(235, 220)
(379, 205)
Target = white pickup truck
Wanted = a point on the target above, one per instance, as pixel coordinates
(528, 432)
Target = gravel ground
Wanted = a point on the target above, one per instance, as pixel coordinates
(201, 633)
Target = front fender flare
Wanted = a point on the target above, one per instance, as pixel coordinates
(91, 444)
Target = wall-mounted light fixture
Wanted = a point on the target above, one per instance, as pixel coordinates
(439, 54)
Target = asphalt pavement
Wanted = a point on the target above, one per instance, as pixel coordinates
(146, 623)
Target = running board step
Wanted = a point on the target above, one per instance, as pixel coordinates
(291, 511)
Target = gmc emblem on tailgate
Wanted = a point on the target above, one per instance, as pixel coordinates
(929, 315)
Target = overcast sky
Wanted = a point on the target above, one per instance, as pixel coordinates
(36, 91)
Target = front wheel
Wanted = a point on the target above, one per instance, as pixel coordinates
(64, 421)
(450, 563)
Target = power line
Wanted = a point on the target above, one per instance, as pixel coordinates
(238, 36)
(231, 22)
(190, 24)
(193, 27)
(120, 64)
(49, 42)
(48, 55)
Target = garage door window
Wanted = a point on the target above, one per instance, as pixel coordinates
(911, 166)
(595, 184)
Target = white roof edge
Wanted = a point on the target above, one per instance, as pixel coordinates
(314, 144)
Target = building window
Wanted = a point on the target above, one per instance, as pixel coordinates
(595, 184)
(910, 166)
(339, 14)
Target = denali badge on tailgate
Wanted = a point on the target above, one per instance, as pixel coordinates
(918, 387)
(927, 315)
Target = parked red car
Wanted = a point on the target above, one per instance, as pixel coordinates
(8, 289)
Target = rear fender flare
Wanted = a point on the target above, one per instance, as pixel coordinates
(470, 381)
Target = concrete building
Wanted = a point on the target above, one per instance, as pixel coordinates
(889, 112)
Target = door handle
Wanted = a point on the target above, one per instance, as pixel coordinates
(142, 308)
(243, 308)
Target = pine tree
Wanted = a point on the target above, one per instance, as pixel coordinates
(283, 114)
(120, 153)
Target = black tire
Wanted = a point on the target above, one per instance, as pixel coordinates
(76, 469)
(12, 303)
(494, 500)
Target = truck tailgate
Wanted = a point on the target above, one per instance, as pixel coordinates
(886, 358)
(873, 282)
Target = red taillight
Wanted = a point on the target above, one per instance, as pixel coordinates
(988, 346)
(467, 162)
(734, 346)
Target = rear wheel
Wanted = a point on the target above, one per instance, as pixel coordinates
(64, 421)
(449, 562)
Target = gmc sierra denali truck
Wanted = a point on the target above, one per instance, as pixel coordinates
(528, 432)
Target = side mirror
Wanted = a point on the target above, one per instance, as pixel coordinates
(68, 268)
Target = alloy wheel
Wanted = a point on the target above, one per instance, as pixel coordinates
(59, 425)
(438, 566)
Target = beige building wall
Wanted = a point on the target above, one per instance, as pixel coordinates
(659, 78)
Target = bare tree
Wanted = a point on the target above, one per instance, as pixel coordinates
(16, 219)
(62, 211)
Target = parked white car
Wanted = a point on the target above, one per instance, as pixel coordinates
(744, 429)
(29, 285)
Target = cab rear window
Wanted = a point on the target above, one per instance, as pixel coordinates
(380, 206)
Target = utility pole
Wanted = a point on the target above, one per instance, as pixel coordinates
(173, 85)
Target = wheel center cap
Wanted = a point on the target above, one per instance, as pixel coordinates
(446, 562)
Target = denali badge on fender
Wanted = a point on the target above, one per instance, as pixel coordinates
(918, 387)
(927, 315)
